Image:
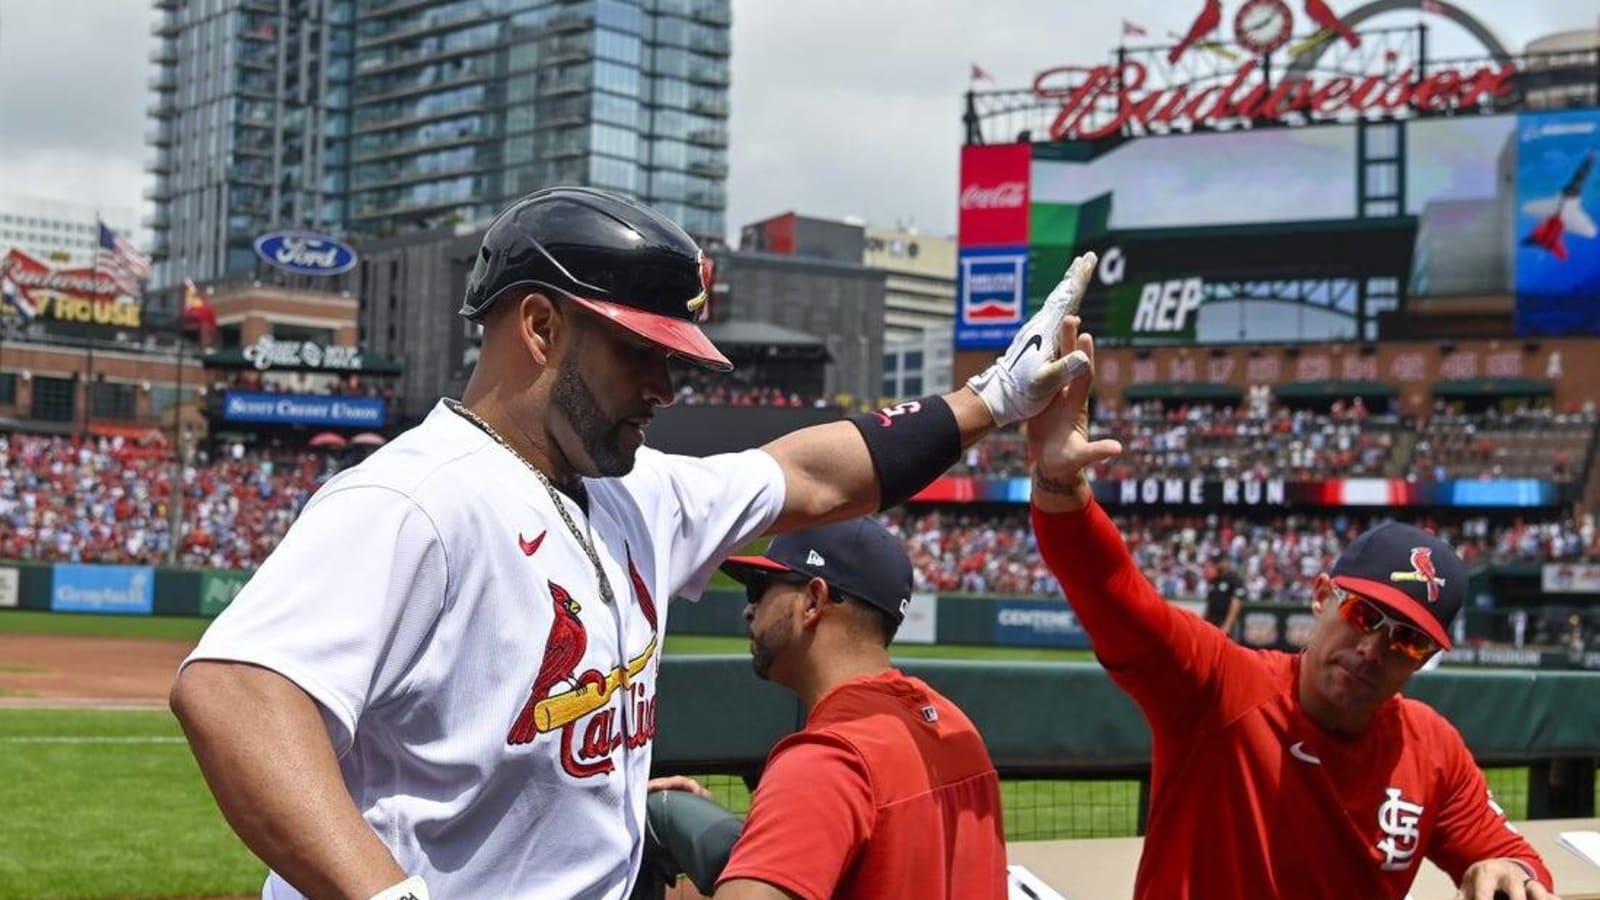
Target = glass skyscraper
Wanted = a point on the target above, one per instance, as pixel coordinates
(374, 117)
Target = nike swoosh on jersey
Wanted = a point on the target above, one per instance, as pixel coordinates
(529, 548)
(1298, 751)
(1033, 343)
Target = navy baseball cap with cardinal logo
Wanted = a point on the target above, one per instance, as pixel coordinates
(859, 558)
(1408, 571)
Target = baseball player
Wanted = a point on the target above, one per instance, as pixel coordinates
(1274, 774)
(444, 678)
(888, 791)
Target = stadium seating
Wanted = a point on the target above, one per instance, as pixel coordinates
(108, 500)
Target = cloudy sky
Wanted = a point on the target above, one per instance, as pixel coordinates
(840, 107)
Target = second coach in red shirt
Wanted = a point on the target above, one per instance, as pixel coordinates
(889, 790)
(1276, 775)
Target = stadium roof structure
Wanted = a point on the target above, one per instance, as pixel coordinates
(747, 339)
(759, 334)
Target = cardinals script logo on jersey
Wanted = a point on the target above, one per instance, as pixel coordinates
(579, 705)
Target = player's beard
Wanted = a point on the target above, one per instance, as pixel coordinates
(600, 437)
(764, 652)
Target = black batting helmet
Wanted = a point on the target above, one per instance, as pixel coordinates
(619, 258)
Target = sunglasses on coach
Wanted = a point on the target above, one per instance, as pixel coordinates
(1404, 638)
(756, 587)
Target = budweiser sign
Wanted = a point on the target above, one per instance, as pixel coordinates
(34, 290)
(1007, 195)
(1096, 102)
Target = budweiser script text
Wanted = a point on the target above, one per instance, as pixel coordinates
(1098, 106)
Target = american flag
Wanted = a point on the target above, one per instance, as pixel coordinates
(121, 260)
(18, 300)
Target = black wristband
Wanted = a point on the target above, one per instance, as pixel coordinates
(911, 444)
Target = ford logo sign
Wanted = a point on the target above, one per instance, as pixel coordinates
(305, 253)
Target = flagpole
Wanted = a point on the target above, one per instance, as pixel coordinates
(88, 375)
(175, 506)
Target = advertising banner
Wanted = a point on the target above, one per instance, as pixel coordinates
(922, 620)
(32, 290)
(994, 195)
(120, 590)
(218, 588)
(1038, 623)
(10, 581)
(299, 409)
(306, 252)
(992, 296)
(1558, 198)
(1570, 578)
(1508, 493)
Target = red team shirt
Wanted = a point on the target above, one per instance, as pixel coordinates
(1250, 798)
(888, 792)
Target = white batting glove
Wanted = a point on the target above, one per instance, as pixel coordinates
(1021, 383)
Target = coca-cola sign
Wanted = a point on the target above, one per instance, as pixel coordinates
(305, 253)
(1007, 195)
(994, 195)
(1101, 101)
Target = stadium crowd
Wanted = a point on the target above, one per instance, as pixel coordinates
(1276, 557)
(1273, 441)
(110, 500)
(698, 387)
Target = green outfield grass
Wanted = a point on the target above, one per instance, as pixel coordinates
(111, 804)
(176, 628)
(696, 644)
(189, 629)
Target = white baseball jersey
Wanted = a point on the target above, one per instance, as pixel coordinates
(492, 715)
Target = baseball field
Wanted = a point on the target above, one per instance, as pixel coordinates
(103, 800)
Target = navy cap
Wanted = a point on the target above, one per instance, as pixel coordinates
(859, 558)
(1408, 571)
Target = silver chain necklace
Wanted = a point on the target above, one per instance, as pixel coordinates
(582, 537)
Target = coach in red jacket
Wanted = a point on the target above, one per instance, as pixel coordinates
(1283, 775)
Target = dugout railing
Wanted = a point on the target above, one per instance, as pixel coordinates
(1073, 751)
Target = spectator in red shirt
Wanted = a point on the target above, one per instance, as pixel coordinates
(1277, 775)
(888, 791)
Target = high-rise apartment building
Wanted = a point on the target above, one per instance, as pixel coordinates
(377, 117)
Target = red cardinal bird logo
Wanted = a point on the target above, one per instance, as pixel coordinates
(1205, 23)
(641, 593)
(1422, 570)
(563, 650)
(1327, 19)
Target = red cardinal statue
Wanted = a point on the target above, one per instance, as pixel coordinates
(563, 650)
(1327, 18)
(1204, 24)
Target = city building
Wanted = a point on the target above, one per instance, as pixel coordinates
(813, 326)
(921, 284)
(56, 231)
(920, 268)
(839, 303)
(918, 366)
(372, 118)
